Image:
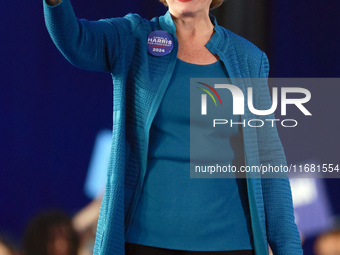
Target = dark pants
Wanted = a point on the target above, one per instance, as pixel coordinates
(138, 249)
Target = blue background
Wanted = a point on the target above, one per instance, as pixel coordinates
(51, 111)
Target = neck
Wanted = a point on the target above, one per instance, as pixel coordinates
(193, 24)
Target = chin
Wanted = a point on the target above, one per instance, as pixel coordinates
(186, 7)
(185, 10)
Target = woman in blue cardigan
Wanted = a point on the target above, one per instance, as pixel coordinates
(151, 205)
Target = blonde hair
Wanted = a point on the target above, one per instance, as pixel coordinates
(214, 3)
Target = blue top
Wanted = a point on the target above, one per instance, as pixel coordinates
(179, 212)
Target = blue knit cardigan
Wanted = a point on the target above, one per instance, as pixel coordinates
(119, 46)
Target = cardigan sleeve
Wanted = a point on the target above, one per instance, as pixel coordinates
(90, 45)
(282, 232)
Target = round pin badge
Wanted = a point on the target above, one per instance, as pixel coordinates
(160, 43)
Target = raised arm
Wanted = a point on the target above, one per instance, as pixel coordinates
(90, 45)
